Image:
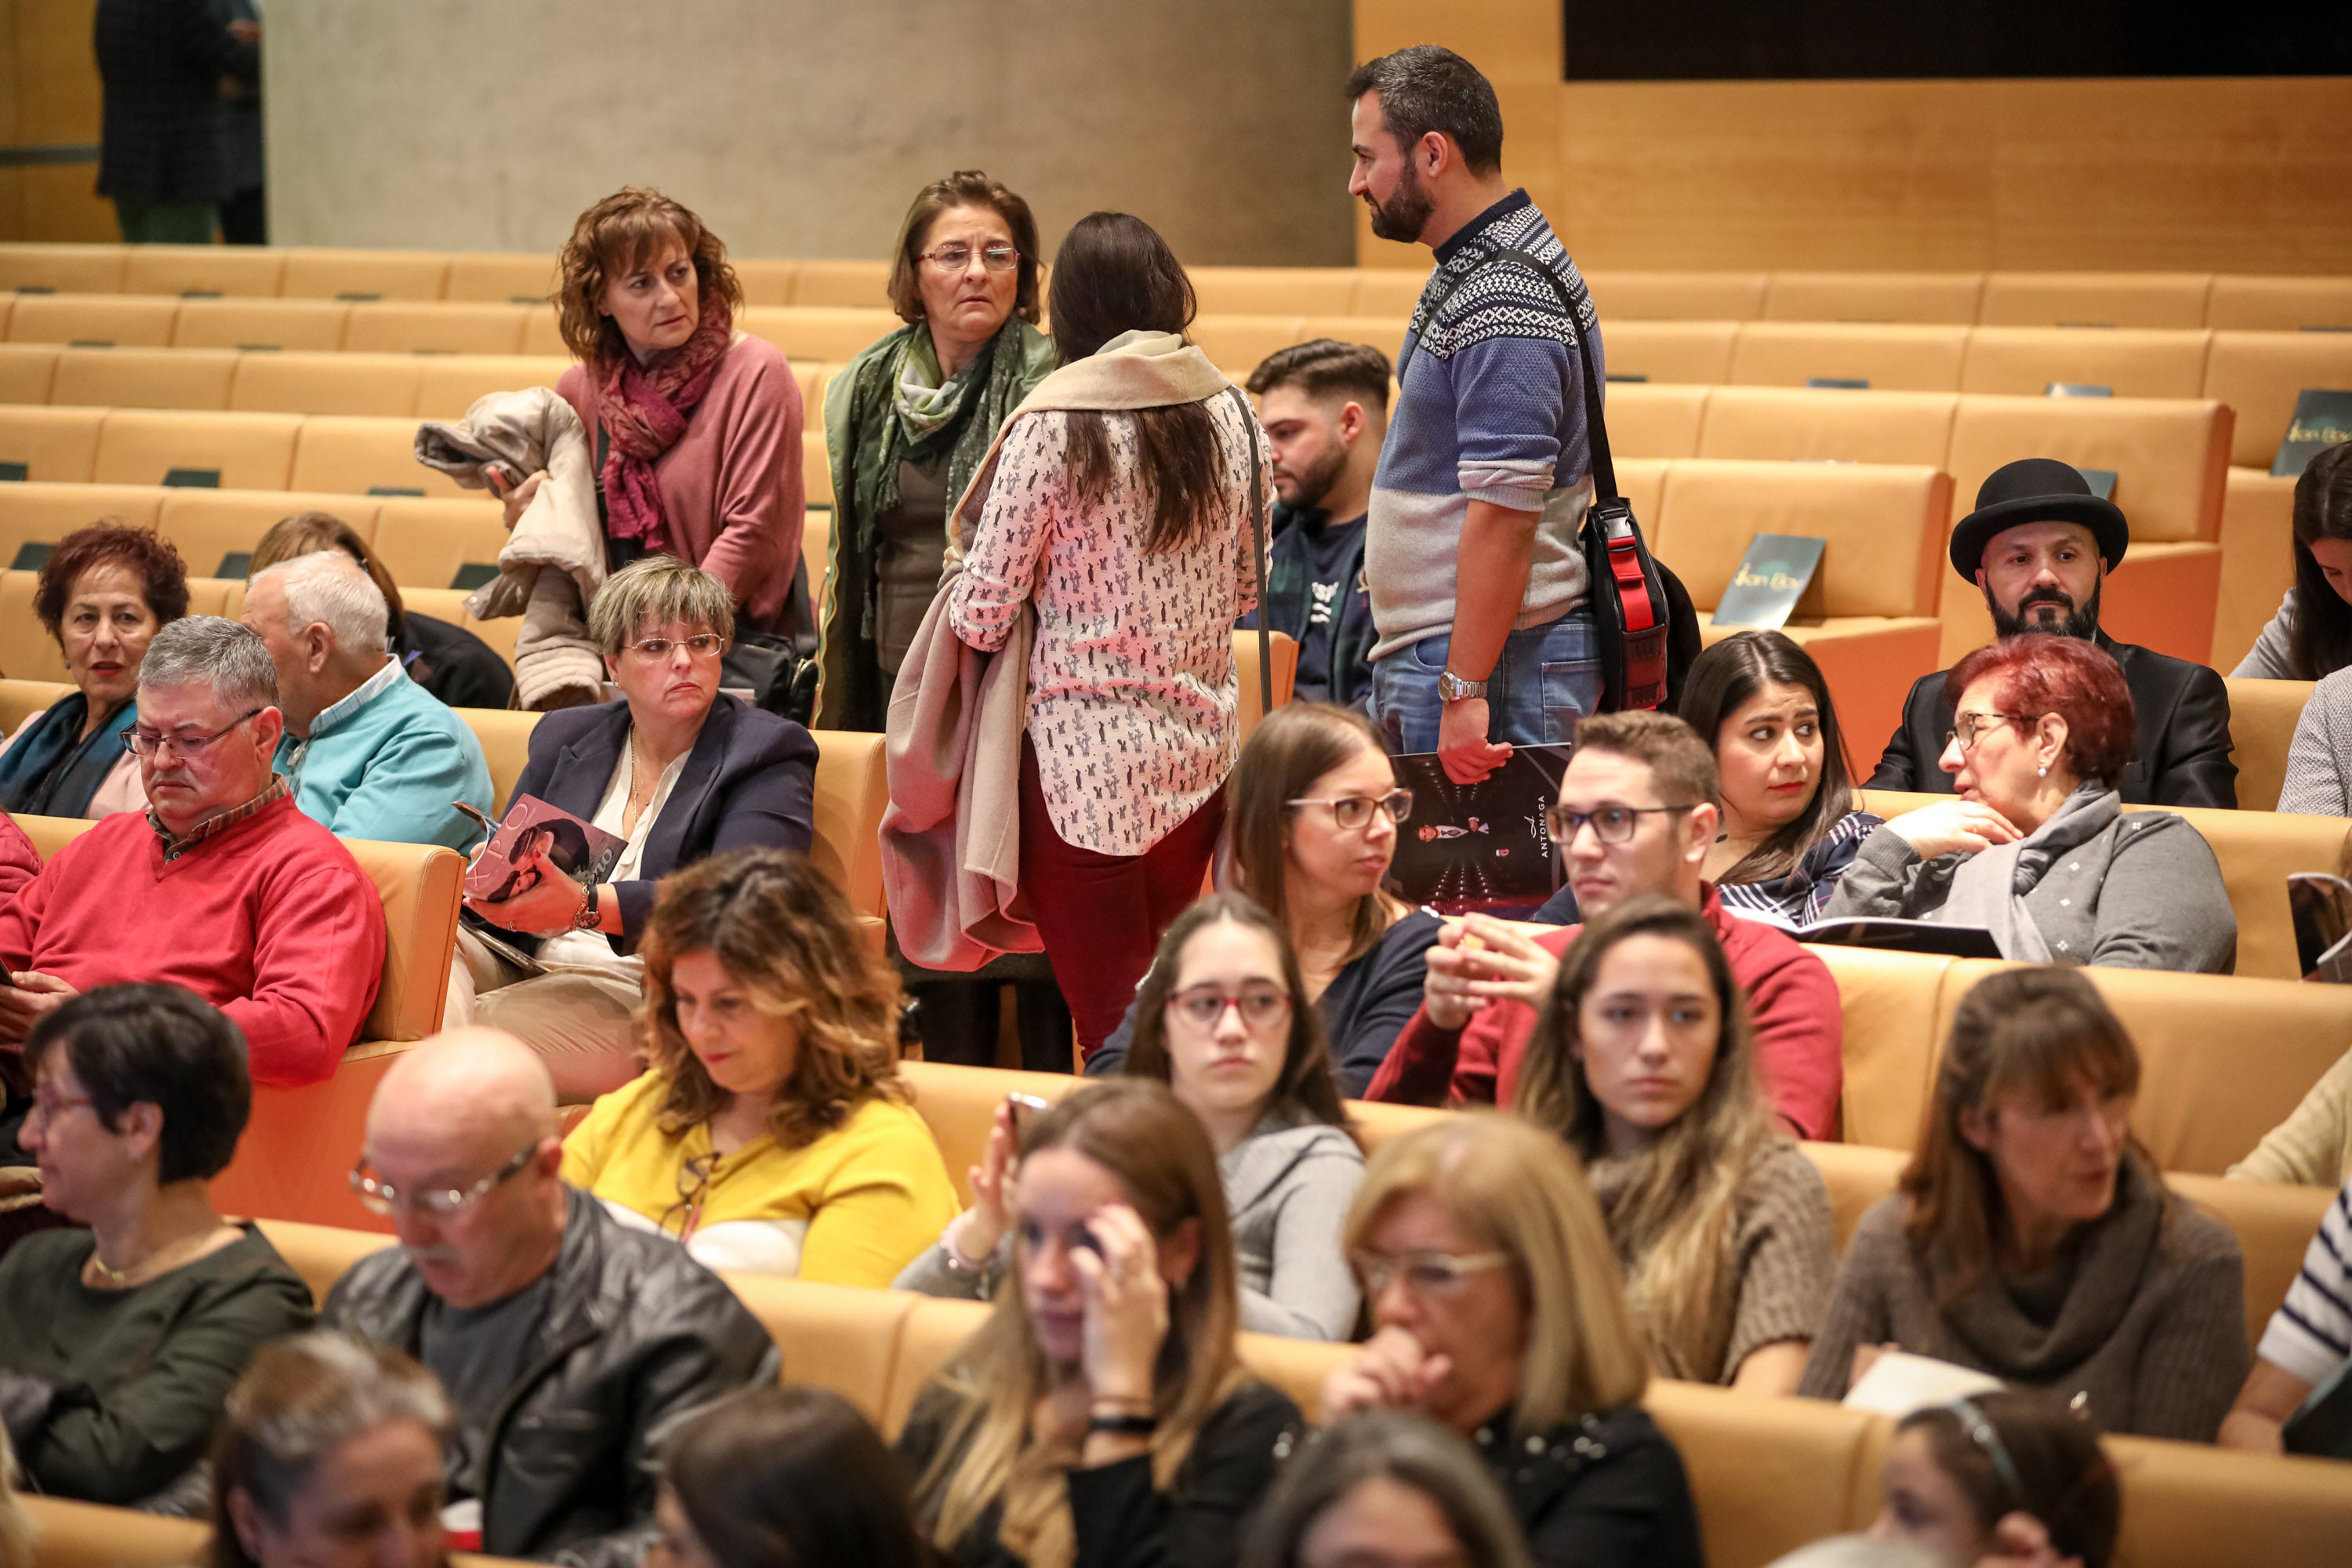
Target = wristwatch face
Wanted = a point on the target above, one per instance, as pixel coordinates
(1452, 688)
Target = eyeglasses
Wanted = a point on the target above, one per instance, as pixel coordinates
(693, 1187)
(442, 1203)
(1352, 811)
(1611, 824)
(48, 1108)
(1427, 1273)
(956, 258)
(701, 645)
(1971, 727)
(1205, 1005)
(144, 742)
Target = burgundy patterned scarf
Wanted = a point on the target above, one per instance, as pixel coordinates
(644, 409)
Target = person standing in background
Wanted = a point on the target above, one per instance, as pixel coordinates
(1325, 406)
(245, 210)
(1486, 639)
(161, 154)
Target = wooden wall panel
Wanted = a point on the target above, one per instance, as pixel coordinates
(48, 81)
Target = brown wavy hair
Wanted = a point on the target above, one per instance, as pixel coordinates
(787, 936)
(1672, 1208)
(111, 541)
(964, 188)
(625, 230)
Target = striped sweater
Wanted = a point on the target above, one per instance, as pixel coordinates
(2311, 1333)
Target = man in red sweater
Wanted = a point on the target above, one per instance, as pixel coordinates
(221, 885)
(1638, 809)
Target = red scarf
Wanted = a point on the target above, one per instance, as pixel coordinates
(644, 409)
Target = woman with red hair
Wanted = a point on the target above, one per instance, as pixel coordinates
(2036, 848)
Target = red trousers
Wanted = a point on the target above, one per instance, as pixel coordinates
(1101, 916)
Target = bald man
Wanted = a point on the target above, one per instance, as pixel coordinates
(569, 1342)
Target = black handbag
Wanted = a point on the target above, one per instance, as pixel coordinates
(1645, 624)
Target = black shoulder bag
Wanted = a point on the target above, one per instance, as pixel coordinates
(1645, 627)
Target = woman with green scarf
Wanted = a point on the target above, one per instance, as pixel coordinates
(910, 420)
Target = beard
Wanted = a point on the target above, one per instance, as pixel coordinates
(1315, 480)
(2082, 624)
(1407, 211)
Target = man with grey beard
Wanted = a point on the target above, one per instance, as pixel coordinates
(2038, 547)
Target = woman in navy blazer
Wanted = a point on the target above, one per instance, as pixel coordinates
(675, 769)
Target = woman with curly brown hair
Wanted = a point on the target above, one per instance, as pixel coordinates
(772, 1133)
(696, 425)
(104, 593)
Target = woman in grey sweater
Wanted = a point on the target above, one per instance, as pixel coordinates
(2310, 639)
(1223, 1019)
(2035, 847)
(2033, 1239)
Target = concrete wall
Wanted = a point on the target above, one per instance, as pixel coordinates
(802, 128)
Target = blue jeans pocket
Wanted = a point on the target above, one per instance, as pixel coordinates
(1572, 689)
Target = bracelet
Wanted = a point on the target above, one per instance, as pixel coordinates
(591, 913)
(956, 1261)
(1124, 1425)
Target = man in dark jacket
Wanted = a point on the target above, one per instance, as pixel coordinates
(161, 154)
(1325, 405)
(570, 1344)
(2038, 546)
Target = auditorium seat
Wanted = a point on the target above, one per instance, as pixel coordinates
(852, 789)
(1285, 674)
(2257, 560)
(1273, 290)
(1675, 296)
(446, 387)
(27, 371)
(1653, 421)
(20, 700)
(35, 512)
(435, 328)
(144, 378)
(817, 551)
(1785, 425)
(2261, 375)
(202, 269)
(2262, 715)
(54, 444)
(361, 455)
(1888, 1003)
(1241, 342)
(1928, 299)
(321, 274)
(379, 385)
(816, 471)
(113, 320)
(2243, 303)
(238, 451)
(542, 332)
(425, 541)
(27, 652)
(450, 604)
(1884, 358)
(1385, 334)
(1695, 353)
(2094, 299)
(505, 735)
(821, 333)
(208, 526)
(314, 324)
(500, 278)
(859, 284)
(765, 282)
(63, 268)
(1389, 291)
(2128, 362)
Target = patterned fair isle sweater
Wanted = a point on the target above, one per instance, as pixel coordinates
(1491, 408)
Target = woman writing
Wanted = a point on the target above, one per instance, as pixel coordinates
(103, 595)
(2006, 1477)
(2310, 639)
(2032, 1238)
(677, 770)
(2036, 848)
(1120, 504)
(127, 1336)
(1789, 827)
(1222, 1020)
(1499, 1315)
(1644, 1063)
(1313, 827)
(772, 1134)
(1101, 1416)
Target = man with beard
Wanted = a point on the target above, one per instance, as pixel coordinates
(1479, 598)
(1325, 405)
(2038, 546)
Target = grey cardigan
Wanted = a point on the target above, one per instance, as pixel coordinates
(1288, 1189)
(2273, 655)
(2319, 759)
(2145, 894)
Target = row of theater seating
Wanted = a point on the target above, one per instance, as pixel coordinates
(2231, 300)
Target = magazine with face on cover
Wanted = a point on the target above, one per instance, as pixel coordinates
(536, 841)
(1479, 847)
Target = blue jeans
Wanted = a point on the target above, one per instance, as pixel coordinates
(1548, 678)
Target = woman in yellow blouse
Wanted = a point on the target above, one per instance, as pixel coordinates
(772, 1134)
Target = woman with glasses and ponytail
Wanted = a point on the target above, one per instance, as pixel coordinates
(1499, 1312)
(1312, 812)
(2009, 1476)
(1223, 1019)
(677, 770)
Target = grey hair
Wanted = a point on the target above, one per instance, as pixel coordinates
(206, 650)
(1858, 1552)
(329, 588)
(655, 590)
(1400, 1446)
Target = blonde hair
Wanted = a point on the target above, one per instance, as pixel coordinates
(1518, 1191)
(655, 590)
(786, 935)
(989, 1454)
(1671, 1208)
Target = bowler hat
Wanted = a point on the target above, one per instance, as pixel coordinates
(2036, 489)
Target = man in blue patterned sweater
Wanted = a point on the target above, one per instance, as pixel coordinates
(1485, 635)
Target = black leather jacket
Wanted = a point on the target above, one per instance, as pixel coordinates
(636, 1335)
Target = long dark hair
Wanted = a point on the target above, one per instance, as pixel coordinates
(2322, 642)
(1305, 1090)
(1731, 673)
(2019, 1450)
(1114, 274)
(1296, 744)
(792, 1477)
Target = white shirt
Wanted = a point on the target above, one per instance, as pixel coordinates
(593, 950)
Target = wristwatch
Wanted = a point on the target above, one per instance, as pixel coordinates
(591, 913)
(1452, 688)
